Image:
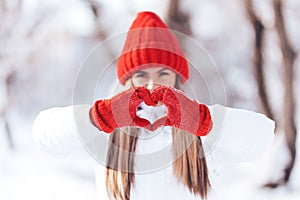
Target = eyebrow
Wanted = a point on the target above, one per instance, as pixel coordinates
(141, 72)
(163, 69)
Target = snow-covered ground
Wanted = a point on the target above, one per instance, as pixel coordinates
(30, 175)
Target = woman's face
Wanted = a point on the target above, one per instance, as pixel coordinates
(153, 77)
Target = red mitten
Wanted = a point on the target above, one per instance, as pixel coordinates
(120, 110)
(183, 113)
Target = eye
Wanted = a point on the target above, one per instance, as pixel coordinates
(163, 73)
(140, 75)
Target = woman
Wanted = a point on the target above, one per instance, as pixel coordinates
(152, 115)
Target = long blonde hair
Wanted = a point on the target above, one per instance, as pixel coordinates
(190, 167)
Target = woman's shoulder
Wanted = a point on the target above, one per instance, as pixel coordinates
(236, 115)
(61, 130)
(238, 135)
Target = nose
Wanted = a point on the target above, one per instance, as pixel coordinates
(151, 85)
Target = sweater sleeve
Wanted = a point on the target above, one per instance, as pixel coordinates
(238, 135)
(64, 130)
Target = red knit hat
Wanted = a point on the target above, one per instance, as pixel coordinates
(149, 41)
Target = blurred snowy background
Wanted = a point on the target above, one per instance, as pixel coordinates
(43, 44)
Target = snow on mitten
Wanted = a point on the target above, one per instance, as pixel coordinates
(120, 110)
(183, 113)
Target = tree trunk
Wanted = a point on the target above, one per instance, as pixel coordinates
(177, 20)
(288, 55)
(258, 60)
(9, 79)
(8, 135)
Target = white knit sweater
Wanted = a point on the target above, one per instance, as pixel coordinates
(237, 136)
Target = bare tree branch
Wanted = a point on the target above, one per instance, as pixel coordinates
(2, 4)
(95, 7)
(5, 7)
(15, 10)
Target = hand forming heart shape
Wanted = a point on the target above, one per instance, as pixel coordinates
(182, 112)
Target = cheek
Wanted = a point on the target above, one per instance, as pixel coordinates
(168, 80)
(139, 81)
